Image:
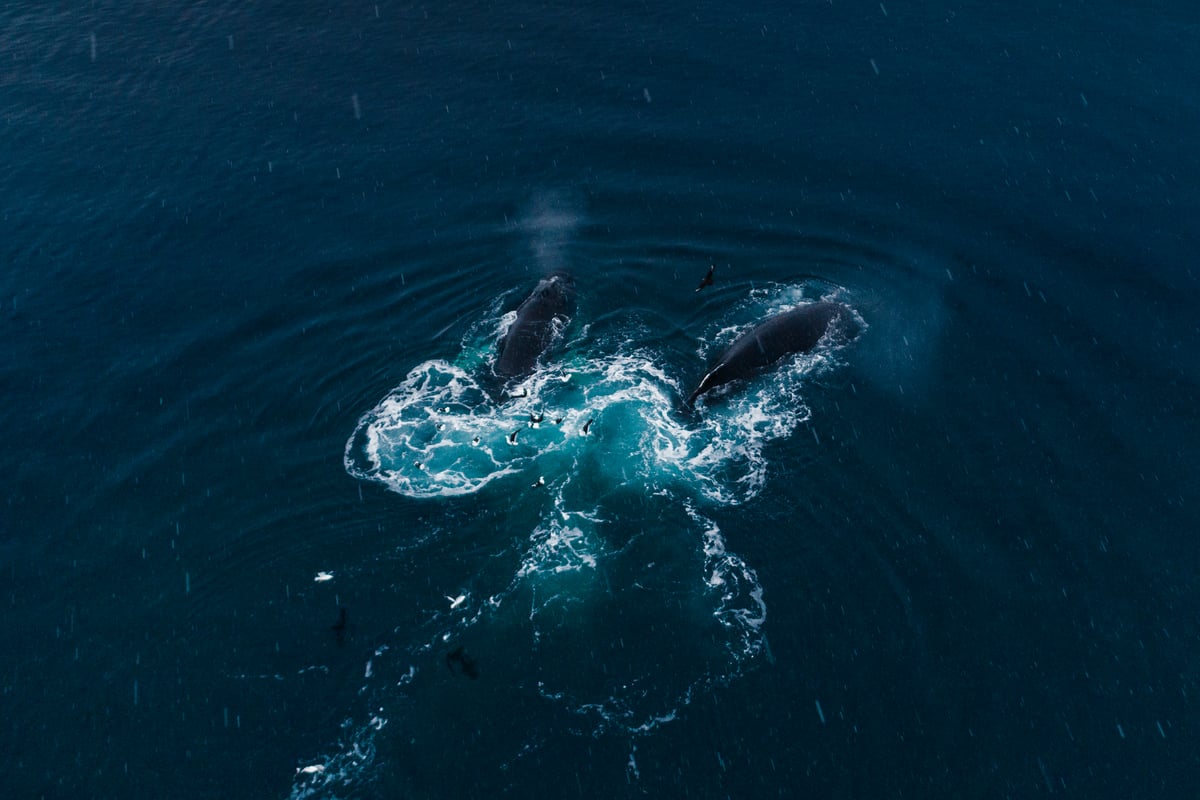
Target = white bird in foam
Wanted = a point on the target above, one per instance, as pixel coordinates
(323, 576)
(455, 602)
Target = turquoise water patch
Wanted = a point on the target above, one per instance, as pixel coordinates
(613, 419)
(618, 485)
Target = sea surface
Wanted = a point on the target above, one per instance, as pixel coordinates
(268, 530)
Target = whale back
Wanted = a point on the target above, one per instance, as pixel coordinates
(539, 318)
(794, 331)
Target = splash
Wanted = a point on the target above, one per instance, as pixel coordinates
(613, 480)
(612, 419)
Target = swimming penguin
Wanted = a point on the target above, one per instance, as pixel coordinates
(476, 441)
(708, 279)
(339, 627)
(459, 663)
(587, 427)
(512, 437)
(536, 419)
(558, 420)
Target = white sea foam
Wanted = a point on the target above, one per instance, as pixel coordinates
(741, 609)
(350, 767)
(556, 547)
(651, 694)
(412, 444)
(440, 434)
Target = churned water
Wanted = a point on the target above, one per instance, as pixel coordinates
(269, 529)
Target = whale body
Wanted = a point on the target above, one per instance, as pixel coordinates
(794, 331)
(540, 317)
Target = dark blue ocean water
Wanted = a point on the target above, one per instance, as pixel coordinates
(255, 256)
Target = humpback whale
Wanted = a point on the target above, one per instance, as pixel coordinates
(794, 331)
(539, 318)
